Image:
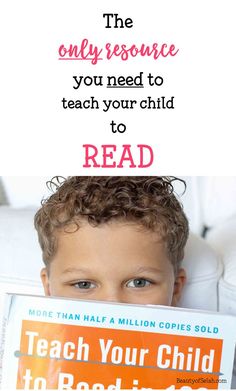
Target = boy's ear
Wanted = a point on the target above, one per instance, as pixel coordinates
(180, 280)
(45, 281)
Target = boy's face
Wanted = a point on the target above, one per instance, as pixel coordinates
(113, 262)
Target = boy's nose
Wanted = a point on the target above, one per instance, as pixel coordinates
(114, 295)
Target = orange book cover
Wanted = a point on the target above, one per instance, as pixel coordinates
(56, 343)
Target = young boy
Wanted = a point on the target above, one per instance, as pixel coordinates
(118, 239)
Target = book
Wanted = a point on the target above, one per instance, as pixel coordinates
(65, 344)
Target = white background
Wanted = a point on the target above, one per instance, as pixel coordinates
(38, 137)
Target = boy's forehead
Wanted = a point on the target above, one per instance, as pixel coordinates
(109, 241)
(119, 229)
(111, 247)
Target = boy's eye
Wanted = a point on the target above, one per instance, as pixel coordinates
(138, 283)
(84, 285)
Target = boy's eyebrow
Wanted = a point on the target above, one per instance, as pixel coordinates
(75, 269)
(141, 269)
(144, 269)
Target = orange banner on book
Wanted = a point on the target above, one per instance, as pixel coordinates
(62, 356)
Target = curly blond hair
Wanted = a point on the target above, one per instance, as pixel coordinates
(149, 202)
